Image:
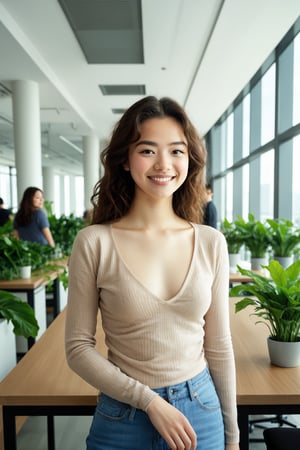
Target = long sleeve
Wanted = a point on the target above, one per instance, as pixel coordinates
(218, 344)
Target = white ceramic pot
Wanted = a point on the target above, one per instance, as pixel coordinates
(256, 263)
(234, 259)
(8, 352)
(284, 354)
(285, 261)
(25, 272)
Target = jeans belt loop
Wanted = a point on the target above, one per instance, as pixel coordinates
(190, 389)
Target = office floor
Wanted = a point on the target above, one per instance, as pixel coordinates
(70, 433)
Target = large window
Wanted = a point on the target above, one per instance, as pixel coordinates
(296, 182)
(259, 135)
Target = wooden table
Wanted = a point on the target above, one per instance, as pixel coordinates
(238, 278)
(261, 387)
(42, 384)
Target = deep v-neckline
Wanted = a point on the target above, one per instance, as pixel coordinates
(141, 284)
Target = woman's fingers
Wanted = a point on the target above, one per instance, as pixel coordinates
(172, 425)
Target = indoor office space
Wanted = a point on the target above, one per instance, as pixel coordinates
(69, 71)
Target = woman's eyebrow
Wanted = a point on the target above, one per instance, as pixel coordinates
(154, 144)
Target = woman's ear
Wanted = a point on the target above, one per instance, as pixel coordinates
(126, 166)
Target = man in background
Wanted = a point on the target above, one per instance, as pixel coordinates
(210, 210)
(4, 214)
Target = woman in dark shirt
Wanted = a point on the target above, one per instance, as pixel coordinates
(31, 223)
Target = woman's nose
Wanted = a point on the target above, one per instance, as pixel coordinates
(162, 163)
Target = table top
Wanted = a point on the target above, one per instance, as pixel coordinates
(42, 377)
(39, 279)
(238, 278)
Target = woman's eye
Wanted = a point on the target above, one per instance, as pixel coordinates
(147, 151)
(178, 152)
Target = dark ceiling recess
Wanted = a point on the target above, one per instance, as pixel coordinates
(118, 110)
(122, 89)
(108, 31)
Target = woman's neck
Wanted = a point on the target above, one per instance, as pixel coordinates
(152, 215)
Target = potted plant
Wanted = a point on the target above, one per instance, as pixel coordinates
(16, 318)
(255, 235)
(15, 253)
(276, 300)
(234, 241)
(19, 313)
(284, 240)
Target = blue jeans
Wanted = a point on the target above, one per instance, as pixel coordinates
(119, 426)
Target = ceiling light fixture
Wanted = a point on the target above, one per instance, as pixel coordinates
(71, 144)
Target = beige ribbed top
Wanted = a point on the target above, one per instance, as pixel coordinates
(151, 342)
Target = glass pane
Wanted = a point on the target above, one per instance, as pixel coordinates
(223, 145)
(267, 185)
(296, 182)
(296, 81)
(268, 105)
(5, 187)
(246, 125)
(56, 205)
(229, 196)
(245, 191)
(229, 141)
(67, 194)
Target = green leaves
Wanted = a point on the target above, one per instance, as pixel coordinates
(233, 237)
(275, 299)
(16, 252)
(255, 235)
(64, 230)
(13, 309)
(284, 237)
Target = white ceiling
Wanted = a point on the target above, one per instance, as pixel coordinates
(199, 52)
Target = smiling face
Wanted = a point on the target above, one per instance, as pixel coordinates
(158, 161)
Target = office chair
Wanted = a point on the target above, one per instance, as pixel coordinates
(276, 419)
(282, 438)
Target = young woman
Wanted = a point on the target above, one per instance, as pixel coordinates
(161, 283)
(31, 223)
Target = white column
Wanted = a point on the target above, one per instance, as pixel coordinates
(48, 184)
(27, 135)
(90, 167)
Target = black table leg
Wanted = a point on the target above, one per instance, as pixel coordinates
(51, 432)
(9, 429)
(244, 428)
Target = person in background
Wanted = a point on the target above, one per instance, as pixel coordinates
(30, 222)
(210, 211)
(160, 280)
(87, 216)
(5, 214)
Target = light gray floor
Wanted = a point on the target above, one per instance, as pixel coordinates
(70, 433)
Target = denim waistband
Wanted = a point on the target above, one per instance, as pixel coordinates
(184, 389)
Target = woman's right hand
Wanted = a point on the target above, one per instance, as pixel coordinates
(172, 425)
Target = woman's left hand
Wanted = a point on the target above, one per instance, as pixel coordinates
(232, 447)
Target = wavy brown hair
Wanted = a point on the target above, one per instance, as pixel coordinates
(114, 192)
(26, 208)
